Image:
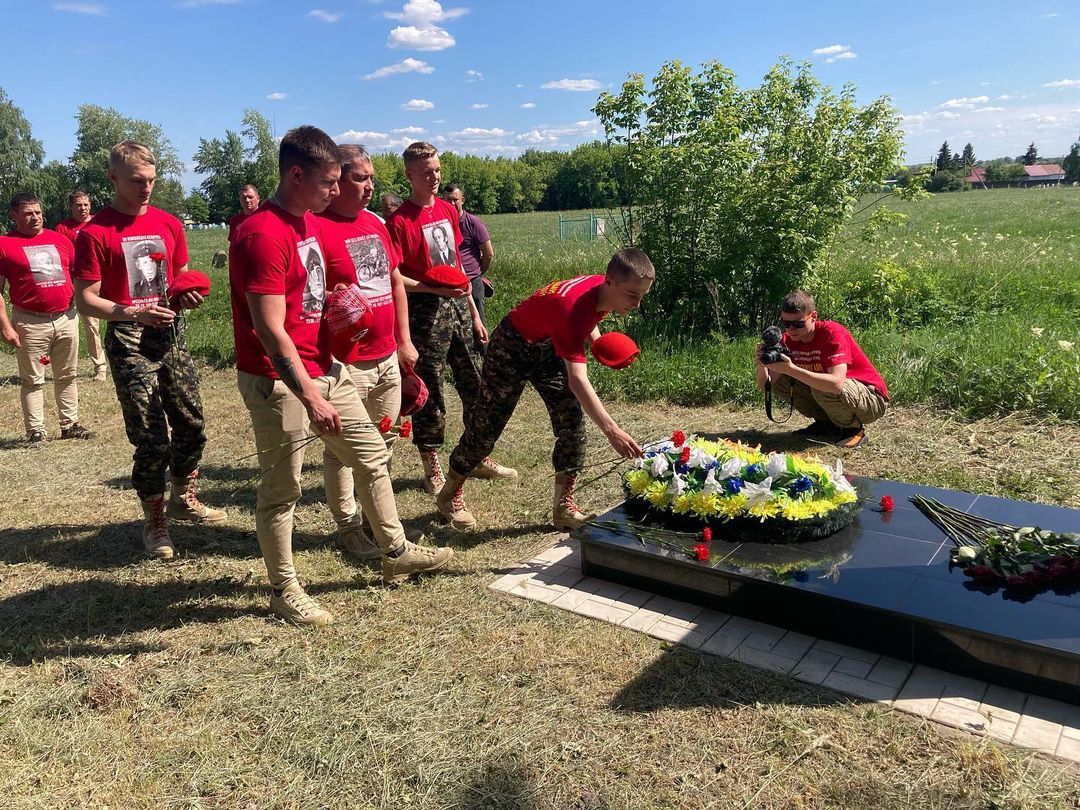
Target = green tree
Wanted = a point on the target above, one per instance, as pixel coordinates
(944, 158)
(101, 128)
(1071, 163)
(1031, 156)
(53, 183)
(233, 161)
(1001, 172)
(737, 193)
(196, 207)
(21, 154)
(389, 176)
(967, 159)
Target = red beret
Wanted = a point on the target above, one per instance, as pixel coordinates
(443, 275)
(414, 393)
(348, 313)
(615, 350)
(189, 281)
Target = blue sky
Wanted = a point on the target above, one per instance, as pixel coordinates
(498, 77)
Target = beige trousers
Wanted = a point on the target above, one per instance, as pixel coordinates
(379, 385)
(94, 347)
(281, 424)
(55, 337)
(857, 404)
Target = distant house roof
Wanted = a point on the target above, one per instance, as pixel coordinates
(977, 175)
(1044, 170)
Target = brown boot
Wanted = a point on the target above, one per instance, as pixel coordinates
(183, 505)
(451, 502)
(489, 470)
(565, 514)
(410, 559)
(352, 537)
(155, 533)
(433, 474)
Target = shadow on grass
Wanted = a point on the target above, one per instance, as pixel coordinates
(507, 784)
(770, 441)
(466, 540)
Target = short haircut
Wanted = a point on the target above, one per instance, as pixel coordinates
(306, 147)
(798, 301)
(631, 262)
(251, 186)
(420, 150)
(26, 198)
(77, 194)
(452, 187)
(128, 152)
(350, 154)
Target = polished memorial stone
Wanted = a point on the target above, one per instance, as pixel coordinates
(882, 584)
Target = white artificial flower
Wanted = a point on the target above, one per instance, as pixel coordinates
(777, 465)
(677, 485)
(660, 466)
(711, 485)
(730, 468)
(758, 493)
(842, 484)
(699, 458)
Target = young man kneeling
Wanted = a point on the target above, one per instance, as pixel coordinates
(542, 342)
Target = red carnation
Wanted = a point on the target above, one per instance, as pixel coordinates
(385, 424)
(983, 574)
(157, 257)
(886, 503)
(684, 456)
(44, 360)
(701, 552)
(678, 438)
(405, 430)
(706, 534)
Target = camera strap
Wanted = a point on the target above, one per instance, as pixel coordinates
(768, 405)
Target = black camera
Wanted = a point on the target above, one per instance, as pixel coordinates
(772, 349)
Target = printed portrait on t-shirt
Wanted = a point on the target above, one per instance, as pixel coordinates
(315, 288)
(440, 243)
(368, 258)
(145, 280)
(45, 266)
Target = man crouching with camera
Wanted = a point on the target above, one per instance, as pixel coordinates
(822, 371)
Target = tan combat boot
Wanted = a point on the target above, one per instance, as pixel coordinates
(410, 559)
(295, 606)
(183, 505)
(433, 474)
(565, 514)
(155, 533)
(451, 503)
(356, 542)
(490, 470)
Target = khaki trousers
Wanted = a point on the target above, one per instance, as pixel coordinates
(281, 424)
(94, 347)
(379, 384)
(55, 336)
(857, 404)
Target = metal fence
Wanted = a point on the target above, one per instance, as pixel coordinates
(584, 228)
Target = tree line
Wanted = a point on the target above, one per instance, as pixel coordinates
(949, 170)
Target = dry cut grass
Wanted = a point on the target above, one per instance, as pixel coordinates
(126, 683)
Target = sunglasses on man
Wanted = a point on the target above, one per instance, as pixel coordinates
(792, 324)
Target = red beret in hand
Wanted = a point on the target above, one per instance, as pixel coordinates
(189, 281)
(414, 393)
(348, 313)
(615, 350)
(443, 275)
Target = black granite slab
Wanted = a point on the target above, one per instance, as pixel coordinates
(882, 584)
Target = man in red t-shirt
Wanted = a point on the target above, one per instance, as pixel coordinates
(827, 376)
(36, 264)
(359, 251)
(79, 203)
(249, 204)
(542, 342)
(126, 258)
(442, 321)
(289, 381)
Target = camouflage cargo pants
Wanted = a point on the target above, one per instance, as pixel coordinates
(158, 390)
(509, 364)
(442, 333)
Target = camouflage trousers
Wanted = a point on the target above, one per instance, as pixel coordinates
(510, 362)
(158, 390)
(442, 333)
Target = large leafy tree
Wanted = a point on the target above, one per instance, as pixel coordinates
(101, 128)
(21, 154)
(737, 194)
(233, 161)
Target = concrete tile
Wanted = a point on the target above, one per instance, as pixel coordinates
(1003, 703)
(1042, 735)
(890, 671)
(761, 641)
(674, 610)
(815, 666)
(758, 628)
(1052, 711)
(762, 658)
(555, 575)
(1000, 729)
(509, 582)
(725, 640)
(601, 590)
(641, 620)
(845, 651)
(571, 599)
(675, 633)
(1069, 748)
(952, 685)
(961, 702)
(919, 696)
(858, 686)
(855, 668)
(1070, 732)
(634, 598)
(539, 593)
(603, 611)
(559, 551)
(793, 645)
(959, 717)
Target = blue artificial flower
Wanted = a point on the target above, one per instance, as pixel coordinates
(800, 485)
(733, 485)
(755, 473)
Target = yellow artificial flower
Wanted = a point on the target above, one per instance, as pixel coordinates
(682, 503)
(638, 480)
(766, 509)
(840, 498)
(732, 506)
(657, 494)
(705, 504)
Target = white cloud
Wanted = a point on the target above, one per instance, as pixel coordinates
(373, 140)
(326, 16)
(425, 13)
(948, 116)
(528, 105)
(409, 130)
(519, 84)
(1049, 16)
(844, 55)
(412, 38)
(988, 109)
(1063, 83)
(551, 136)
(830, 50)
(277, 96)
(965, 103)
(406, 65)
(200, 3)
(474, 76)
(478, 106)
(417, 105)
(475, 133)
(578, 85)
(81, 8)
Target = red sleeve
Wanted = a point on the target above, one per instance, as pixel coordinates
(835, 350)
(88, 256)
(264, 265)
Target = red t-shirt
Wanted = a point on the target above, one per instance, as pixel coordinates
(38, 270)
(425, 237)
(234, 222)
(832, 345)
(564, 311)
(276, 253)
(116, 249)
(71, 227)
(359, 251)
